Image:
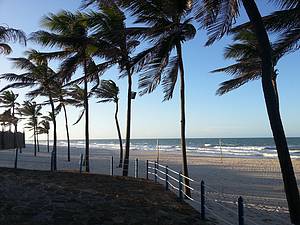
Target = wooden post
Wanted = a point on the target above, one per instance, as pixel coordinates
(80, 163)
(202, 200)
(147, 169)
(241, 210)
(155, 172)
(136, 173)
(112, 166)
(16, 159)
(180, 187)
(167, 178)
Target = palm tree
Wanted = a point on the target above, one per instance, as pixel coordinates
(8, 99)
(37, 74)
(9, 34)
(70, 33)
(60, 98)
(118, 45)
(43, 128)
(169, 27)
(32, 111)
(109, 92)
(217, 17)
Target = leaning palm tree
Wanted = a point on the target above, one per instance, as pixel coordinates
(118, 45)
(169, 26)
(37, 74)
(217, 17)
(9, 34)
(32, 111)
(70, 33)
(109, 92)
(62, 100)
(43, 128)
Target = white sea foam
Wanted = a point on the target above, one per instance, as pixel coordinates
(205, 149)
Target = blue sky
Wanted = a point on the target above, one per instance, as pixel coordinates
(240, 113)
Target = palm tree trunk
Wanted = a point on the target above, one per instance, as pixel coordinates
(272, 104)
(127, 146)
(86, 107)
(48, 141)
(37, 140)
(54, 133)
(119, 134)
(182, 124)
(34, 137)
(67, 130)
(15, 123)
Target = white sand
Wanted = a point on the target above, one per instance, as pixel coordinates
(257, 180)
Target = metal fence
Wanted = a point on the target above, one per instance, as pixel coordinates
(174, 181)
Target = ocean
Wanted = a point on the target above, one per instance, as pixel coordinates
(225, 147)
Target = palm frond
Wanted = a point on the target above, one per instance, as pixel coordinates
(170, 78)
(288, 42)
(217, 17)
(235, 83)
(80, 117)
(287, 4)
(9, 34)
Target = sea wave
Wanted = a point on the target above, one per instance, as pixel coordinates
(206, 149)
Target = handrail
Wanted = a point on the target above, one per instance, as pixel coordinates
(182, 193)
(190, 179)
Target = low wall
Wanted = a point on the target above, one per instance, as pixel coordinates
(10, 140)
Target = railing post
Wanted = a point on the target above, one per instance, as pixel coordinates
(112, 166)
(147, 169)
(155, 172)
(180, 187)
(202, 200)
(80, 163)
(136, 173)
(16, 159)
(241, 210)
(167, 178)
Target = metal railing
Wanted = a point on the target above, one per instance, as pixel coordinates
(174, 180)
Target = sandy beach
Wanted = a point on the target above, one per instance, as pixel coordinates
(258, 181)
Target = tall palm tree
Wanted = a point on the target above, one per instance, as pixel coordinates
(9, 34)
(168, 27)
(109, 92)
(43, 128)
(70, 33)
(37, 74)
(218, 17)
(32, 111)
(119, 43)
